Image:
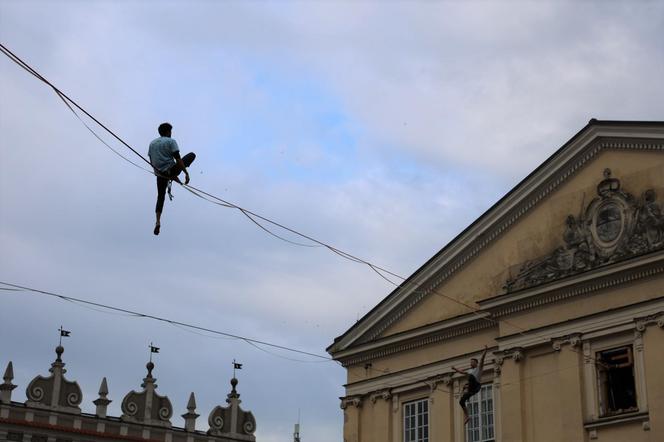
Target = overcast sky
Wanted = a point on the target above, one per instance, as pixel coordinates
(383, 128)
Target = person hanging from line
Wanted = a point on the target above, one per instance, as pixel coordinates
(165, 158)
(474, 385)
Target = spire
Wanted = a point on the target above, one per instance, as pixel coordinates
(7, 386)
(102, 402)
(190, 416)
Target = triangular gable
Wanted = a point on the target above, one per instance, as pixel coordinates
(595, 138)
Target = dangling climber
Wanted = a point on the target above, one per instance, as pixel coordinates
(165, 158)
(474, 384)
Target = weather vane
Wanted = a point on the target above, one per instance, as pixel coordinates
(153, 349)
(63, 333)
(236, 366)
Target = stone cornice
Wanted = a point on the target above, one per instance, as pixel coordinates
(572, 332)
(637, 268)
(572, 157)
(375, 351)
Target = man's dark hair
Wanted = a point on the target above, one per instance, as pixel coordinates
(164, 129)
(474, 359)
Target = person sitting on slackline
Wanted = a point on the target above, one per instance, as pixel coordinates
(165, 158)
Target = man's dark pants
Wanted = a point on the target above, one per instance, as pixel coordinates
(473, 388)
(173, 172)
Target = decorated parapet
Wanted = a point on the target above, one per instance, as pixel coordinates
(52, 410)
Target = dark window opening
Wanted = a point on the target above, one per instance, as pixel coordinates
(617, 388)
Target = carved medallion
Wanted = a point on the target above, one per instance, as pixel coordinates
(614, 226)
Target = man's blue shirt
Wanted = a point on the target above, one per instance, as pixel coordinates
(161, 153)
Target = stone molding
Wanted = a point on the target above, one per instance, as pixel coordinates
(385, 394)
(354, 401)
(445, 379)
(515, 353)
(574, 289)
(546, 179)
(432, 338)
(573, 340)
(642, 323)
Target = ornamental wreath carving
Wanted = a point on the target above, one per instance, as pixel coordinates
(614, 226)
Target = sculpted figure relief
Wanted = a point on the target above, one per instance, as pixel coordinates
(614, 226)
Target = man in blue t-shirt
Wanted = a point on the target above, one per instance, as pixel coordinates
(165, 158)
(474, 382)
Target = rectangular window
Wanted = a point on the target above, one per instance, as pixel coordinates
(416, 421)
(615, 381)
(480, 409)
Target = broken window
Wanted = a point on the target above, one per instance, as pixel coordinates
(615, 378)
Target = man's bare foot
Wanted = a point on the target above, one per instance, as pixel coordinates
(156, 229)
(466, 419)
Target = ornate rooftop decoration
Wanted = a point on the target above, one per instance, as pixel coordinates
(55, 392)
(147, 407)
(232, 420)
(6, 387)
(615, 226)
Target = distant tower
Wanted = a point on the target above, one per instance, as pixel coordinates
(296, 433)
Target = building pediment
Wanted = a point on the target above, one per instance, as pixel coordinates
(616, 223)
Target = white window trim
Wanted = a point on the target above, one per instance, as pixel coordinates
(590, 350)
(403, 417)
(493, 401)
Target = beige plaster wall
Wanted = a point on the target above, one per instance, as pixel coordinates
(536, 234)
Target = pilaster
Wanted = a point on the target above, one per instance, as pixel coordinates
(440, 409)
(569, 387)
(652, 329)
(351, 408)
(511, 400)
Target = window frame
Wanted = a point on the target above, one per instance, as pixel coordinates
(476, 401)
(602, 395)
(609, 340)
(419, 427)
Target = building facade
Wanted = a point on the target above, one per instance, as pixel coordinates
(562, 279)
(52, 413)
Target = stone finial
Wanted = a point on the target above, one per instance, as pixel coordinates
(7, 386)
(147, 407)
(190, 416)
(102, 402)
(55, 392)
(232, 421)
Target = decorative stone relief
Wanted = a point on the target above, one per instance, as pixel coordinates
(644, 322)
(515, 353)
(55, 391)
(573, 339)
(232, 419)
(147, 407)
(381, 394)
(437, 380)
(614, 226)
(355, 401)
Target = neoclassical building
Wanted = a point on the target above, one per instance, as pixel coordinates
(562, 279)
(52, 413)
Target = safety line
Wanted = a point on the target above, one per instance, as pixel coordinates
(161, 319)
